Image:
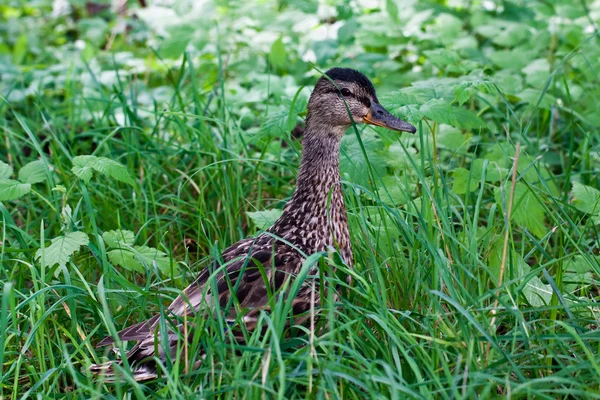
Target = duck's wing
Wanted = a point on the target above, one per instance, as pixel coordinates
(252, 269)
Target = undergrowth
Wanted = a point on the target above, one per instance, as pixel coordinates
(135, 148)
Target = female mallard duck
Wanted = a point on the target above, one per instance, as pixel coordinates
(312, 221)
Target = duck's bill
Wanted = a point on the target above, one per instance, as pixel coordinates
(381, 117)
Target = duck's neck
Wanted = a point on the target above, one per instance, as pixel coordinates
(319, 173)
(315, 217)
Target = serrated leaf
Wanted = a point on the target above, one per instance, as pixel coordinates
(527, 210)
(34, 172)
(264, 219)
(62, 248)
(138, 258)
(5, 170)
(119, 237)
(84, 166)
(410, 113)
(587, 199)
(439, 111)
(465, 90)
(12, 190)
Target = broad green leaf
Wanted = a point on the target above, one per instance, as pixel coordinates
(62, 248)
(587, 199)
(83, 167)
(278, 55)
(537, 293)
(353, 162)
(465, 90)
(466, 119)
(470, 179)
(34, 172)
(515, 267)
(392, 9)
(5, 170)
(118, 237)
(325, 50)
(442, 57)
(347, 31)
(452, 139)
(439, 111)
(462, 182)
(138, 258)
(264, 219)
(393, 191)
(11, 189)
(537, 98)
(514, 59)
(178, 39)
(410, 113)
(582, 265)
(399, 158)
(527, 210)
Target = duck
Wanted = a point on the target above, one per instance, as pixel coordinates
(313, 220)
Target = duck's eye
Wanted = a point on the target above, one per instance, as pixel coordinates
(346, 92)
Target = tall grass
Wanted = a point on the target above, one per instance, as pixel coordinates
(426, 315)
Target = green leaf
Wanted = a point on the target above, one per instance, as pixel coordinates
(5, 170)
(587, 199)
(439, 111)
(62, 248)
(410, 113)
(118, 237)
(462, 183)
(465, 90)
(537, 293)
(347, 31)
(353, 162)
(533, 97)
(11, 189)
(264, 219)
(83, 167)
(138, 258)
(527, 210)
(20, 49)
(399, 157)
(441, 57)
(393, 191)
(179, 36)
(392, 9)
(278, 55)
(466, 119)
(34, 172)
(581, 265)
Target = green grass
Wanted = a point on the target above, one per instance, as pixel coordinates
(450, 297)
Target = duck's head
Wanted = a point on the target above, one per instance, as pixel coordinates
(344, 94)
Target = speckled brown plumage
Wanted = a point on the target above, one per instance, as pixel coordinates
(313, 220)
